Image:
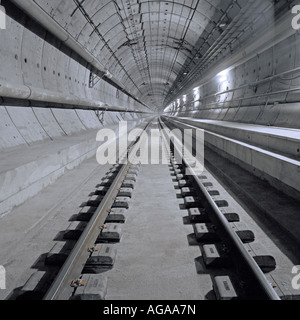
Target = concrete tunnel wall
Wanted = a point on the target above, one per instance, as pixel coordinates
(243, 92)
(38, 145)
(33, 63)
(248, 104)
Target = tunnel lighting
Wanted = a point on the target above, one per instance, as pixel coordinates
(223, 75)
(108, 74)
(196, 92)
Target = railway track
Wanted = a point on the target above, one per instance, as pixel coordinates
(81, 261)
(223, 242)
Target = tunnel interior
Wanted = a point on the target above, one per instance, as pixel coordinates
(71, 68)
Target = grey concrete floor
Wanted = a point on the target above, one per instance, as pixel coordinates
(29, 230)
(154, 260)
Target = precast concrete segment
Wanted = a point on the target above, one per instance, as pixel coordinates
(39, 70)
(154, 259)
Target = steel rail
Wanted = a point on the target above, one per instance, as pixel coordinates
(72, 268)
(251, 263)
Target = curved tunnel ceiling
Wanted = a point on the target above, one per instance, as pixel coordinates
(152, 46)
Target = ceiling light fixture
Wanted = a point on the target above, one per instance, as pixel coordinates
(223, 75)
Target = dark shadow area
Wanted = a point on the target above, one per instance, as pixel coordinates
(192, 240)
(59, 236)
(210, 296)
(260, 200)
(182, 206)
(39, 264)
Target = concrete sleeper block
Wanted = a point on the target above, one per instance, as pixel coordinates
(35, 282)
(266, 263)
(125, 192)
(232, 217)
(224, 289)
(128, 184)
(94, 288)
(187, 192)
(112, 233)
(247, 236)
(74, 231)
(214, 193)
(106, 183)
(177, 171)
(36, 286)
(131, 177)
(94, 201)
(102, 259)
(59, 253)
(182, 183)
(207, 184)
(84, 216)
(115, 218)
(133, 171)
(205, 233)
(105, 252)
(121, 202)
(111, 175)
(179, 176)
(221, 203)
(192, 202)
(101, 191)
(214, 256)
(118, 211)
(135, 167)
(198, 215)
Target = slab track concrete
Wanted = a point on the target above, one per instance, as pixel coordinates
(154, 260)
